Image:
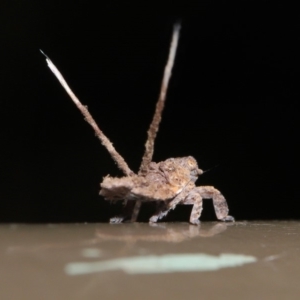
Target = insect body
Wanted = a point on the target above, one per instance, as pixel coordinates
(169, 183)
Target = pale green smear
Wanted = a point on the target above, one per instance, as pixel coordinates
(161, 264)
(91, 252)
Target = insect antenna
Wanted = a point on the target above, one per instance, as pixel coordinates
(88, 117)
(210, 169)
(153, 129)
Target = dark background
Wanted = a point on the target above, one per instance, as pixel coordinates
(232, 103)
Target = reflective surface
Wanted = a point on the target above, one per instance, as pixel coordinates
(244, 260)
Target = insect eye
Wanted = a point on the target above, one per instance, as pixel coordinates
(191, 163)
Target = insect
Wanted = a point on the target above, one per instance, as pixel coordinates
(169, 183)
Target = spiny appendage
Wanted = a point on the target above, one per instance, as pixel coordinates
(219, 202)
(162, 210)
(88, 117)
(153, 128)
(196, 199)
(165, 206)
(194, 195)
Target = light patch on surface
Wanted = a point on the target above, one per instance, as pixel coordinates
(91, 252)
(161, 264)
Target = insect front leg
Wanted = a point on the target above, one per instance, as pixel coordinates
(194, 197)
(162, 211)
(219, 202)
(165, 207)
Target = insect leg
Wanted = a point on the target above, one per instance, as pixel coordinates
(220, 204)
(161, 212)
(194, 198)
(88, 117)
(153, 129)
(136, 210)
(165, 207)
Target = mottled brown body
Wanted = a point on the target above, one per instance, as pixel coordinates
(170, 182)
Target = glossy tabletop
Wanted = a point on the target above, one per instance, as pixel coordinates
(243, 260)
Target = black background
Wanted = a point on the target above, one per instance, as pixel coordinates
(232, 103)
